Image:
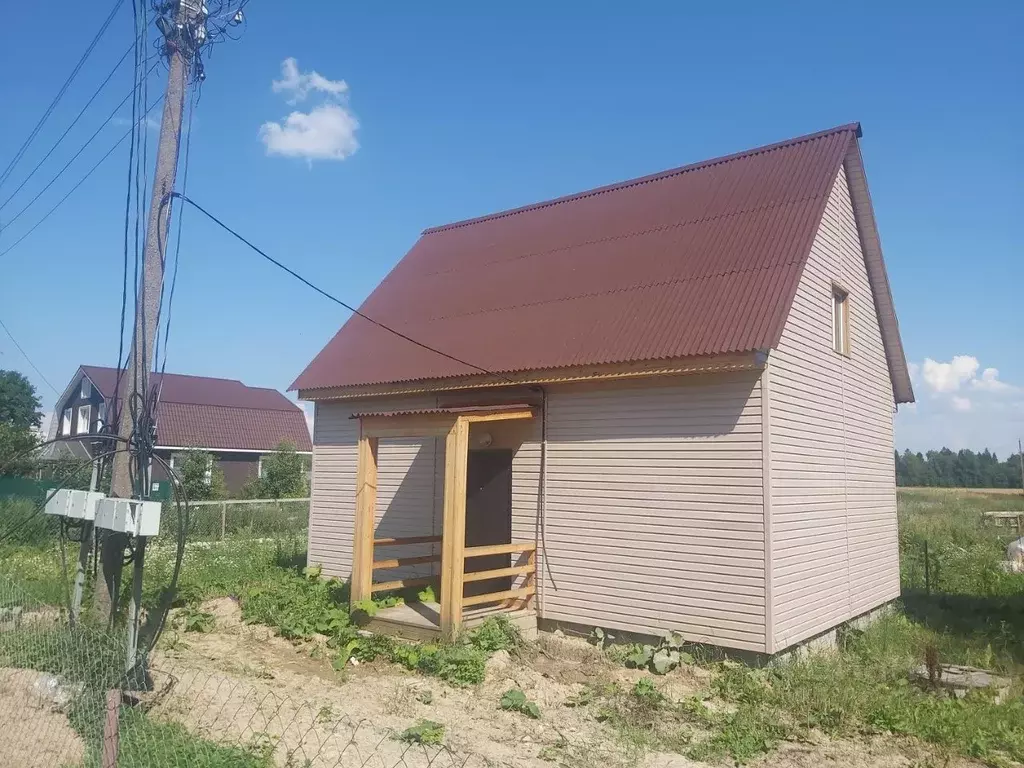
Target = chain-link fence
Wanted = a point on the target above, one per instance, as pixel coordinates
(68, 699)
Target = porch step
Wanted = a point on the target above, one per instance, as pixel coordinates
(421, 621)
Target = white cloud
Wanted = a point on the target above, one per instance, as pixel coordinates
(326, 132)
(960, 403)
(990, 382)
(299, 84)
(949, 377)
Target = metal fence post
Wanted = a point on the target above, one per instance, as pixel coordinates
(223, 519)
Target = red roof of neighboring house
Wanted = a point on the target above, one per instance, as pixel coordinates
(699, 260)
(221, 414)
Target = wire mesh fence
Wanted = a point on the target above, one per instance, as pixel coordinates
(68, 698)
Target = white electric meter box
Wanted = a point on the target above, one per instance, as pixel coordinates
(78, 505)
(136, 518)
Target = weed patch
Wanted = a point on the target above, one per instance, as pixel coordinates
(514, 700)
(424, 732)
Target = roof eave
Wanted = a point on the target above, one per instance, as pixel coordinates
(741, 361)
(896, 359)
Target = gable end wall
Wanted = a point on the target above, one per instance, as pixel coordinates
(834, 548)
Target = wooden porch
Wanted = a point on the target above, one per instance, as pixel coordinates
(455, 610)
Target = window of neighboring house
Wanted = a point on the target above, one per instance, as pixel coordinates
(101, 416)
(82, 423)
(208, 475)
(840, 320)
(86, 391)
(65, 422)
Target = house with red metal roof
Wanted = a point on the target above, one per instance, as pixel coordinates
(235, 423)
(663, 404)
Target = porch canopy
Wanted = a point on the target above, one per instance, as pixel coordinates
(453, 424)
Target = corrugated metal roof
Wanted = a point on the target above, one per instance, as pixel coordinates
(699, 260)
(204, 412)
(443, 411)
(216, 427)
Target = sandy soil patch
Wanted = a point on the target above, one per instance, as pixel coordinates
(242, 684)
(35, 730)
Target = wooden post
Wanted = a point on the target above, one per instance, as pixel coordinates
(366, 501)
(531, 578)
(453, 532)
(111, 739)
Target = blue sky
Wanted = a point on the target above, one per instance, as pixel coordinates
(463, 109)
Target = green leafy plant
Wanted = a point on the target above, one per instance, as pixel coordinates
(192, 619)
(457, 665)
(423, 732)
(661, 658)
(496, 633)
(426, 595)
(514, 700)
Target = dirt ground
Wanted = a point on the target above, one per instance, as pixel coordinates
(243, 685)
(34, 729)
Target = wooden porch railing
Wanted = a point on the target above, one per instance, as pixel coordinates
(398, 562)
(519, 597)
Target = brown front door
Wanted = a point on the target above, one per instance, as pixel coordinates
(488, 515)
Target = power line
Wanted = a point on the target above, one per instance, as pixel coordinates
(322, 292)
(74, 157)
(60, 94)
(80, 182)
(25, 355)
(68, 129)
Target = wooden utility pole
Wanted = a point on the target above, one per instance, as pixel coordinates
(140, 359)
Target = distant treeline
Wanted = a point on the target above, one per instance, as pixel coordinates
(957, 469)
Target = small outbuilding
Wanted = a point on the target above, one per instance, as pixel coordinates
(664, 404)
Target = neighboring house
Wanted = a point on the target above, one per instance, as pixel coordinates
(235, 423)
(703, 367)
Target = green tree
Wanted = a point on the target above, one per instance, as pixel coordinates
(19, 403)
(199, 473)
(16, 450)
(285, 475)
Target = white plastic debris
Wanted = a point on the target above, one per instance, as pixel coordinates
(1015, 556)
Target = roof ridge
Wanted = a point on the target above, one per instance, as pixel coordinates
(180, 375)
(849, 127)
(292, 409)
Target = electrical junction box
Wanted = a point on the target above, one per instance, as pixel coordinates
(136, 518)
(78, 505)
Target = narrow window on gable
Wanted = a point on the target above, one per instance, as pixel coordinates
(86, 389)
(840, 320)
(84, 415)
(65, 422)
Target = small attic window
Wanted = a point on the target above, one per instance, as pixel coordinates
(86, 390)
(840, 320)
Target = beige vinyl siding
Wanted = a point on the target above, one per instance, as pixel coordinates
(408, 502)
(410, 485)
(833, 497)
(654, 514)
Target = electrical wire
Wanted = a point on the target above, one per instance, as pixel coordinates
(25, 355)
(60, 94)
(324, 293)
(74, 157)
(71, 191)
(68, 129)
(115, 416)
